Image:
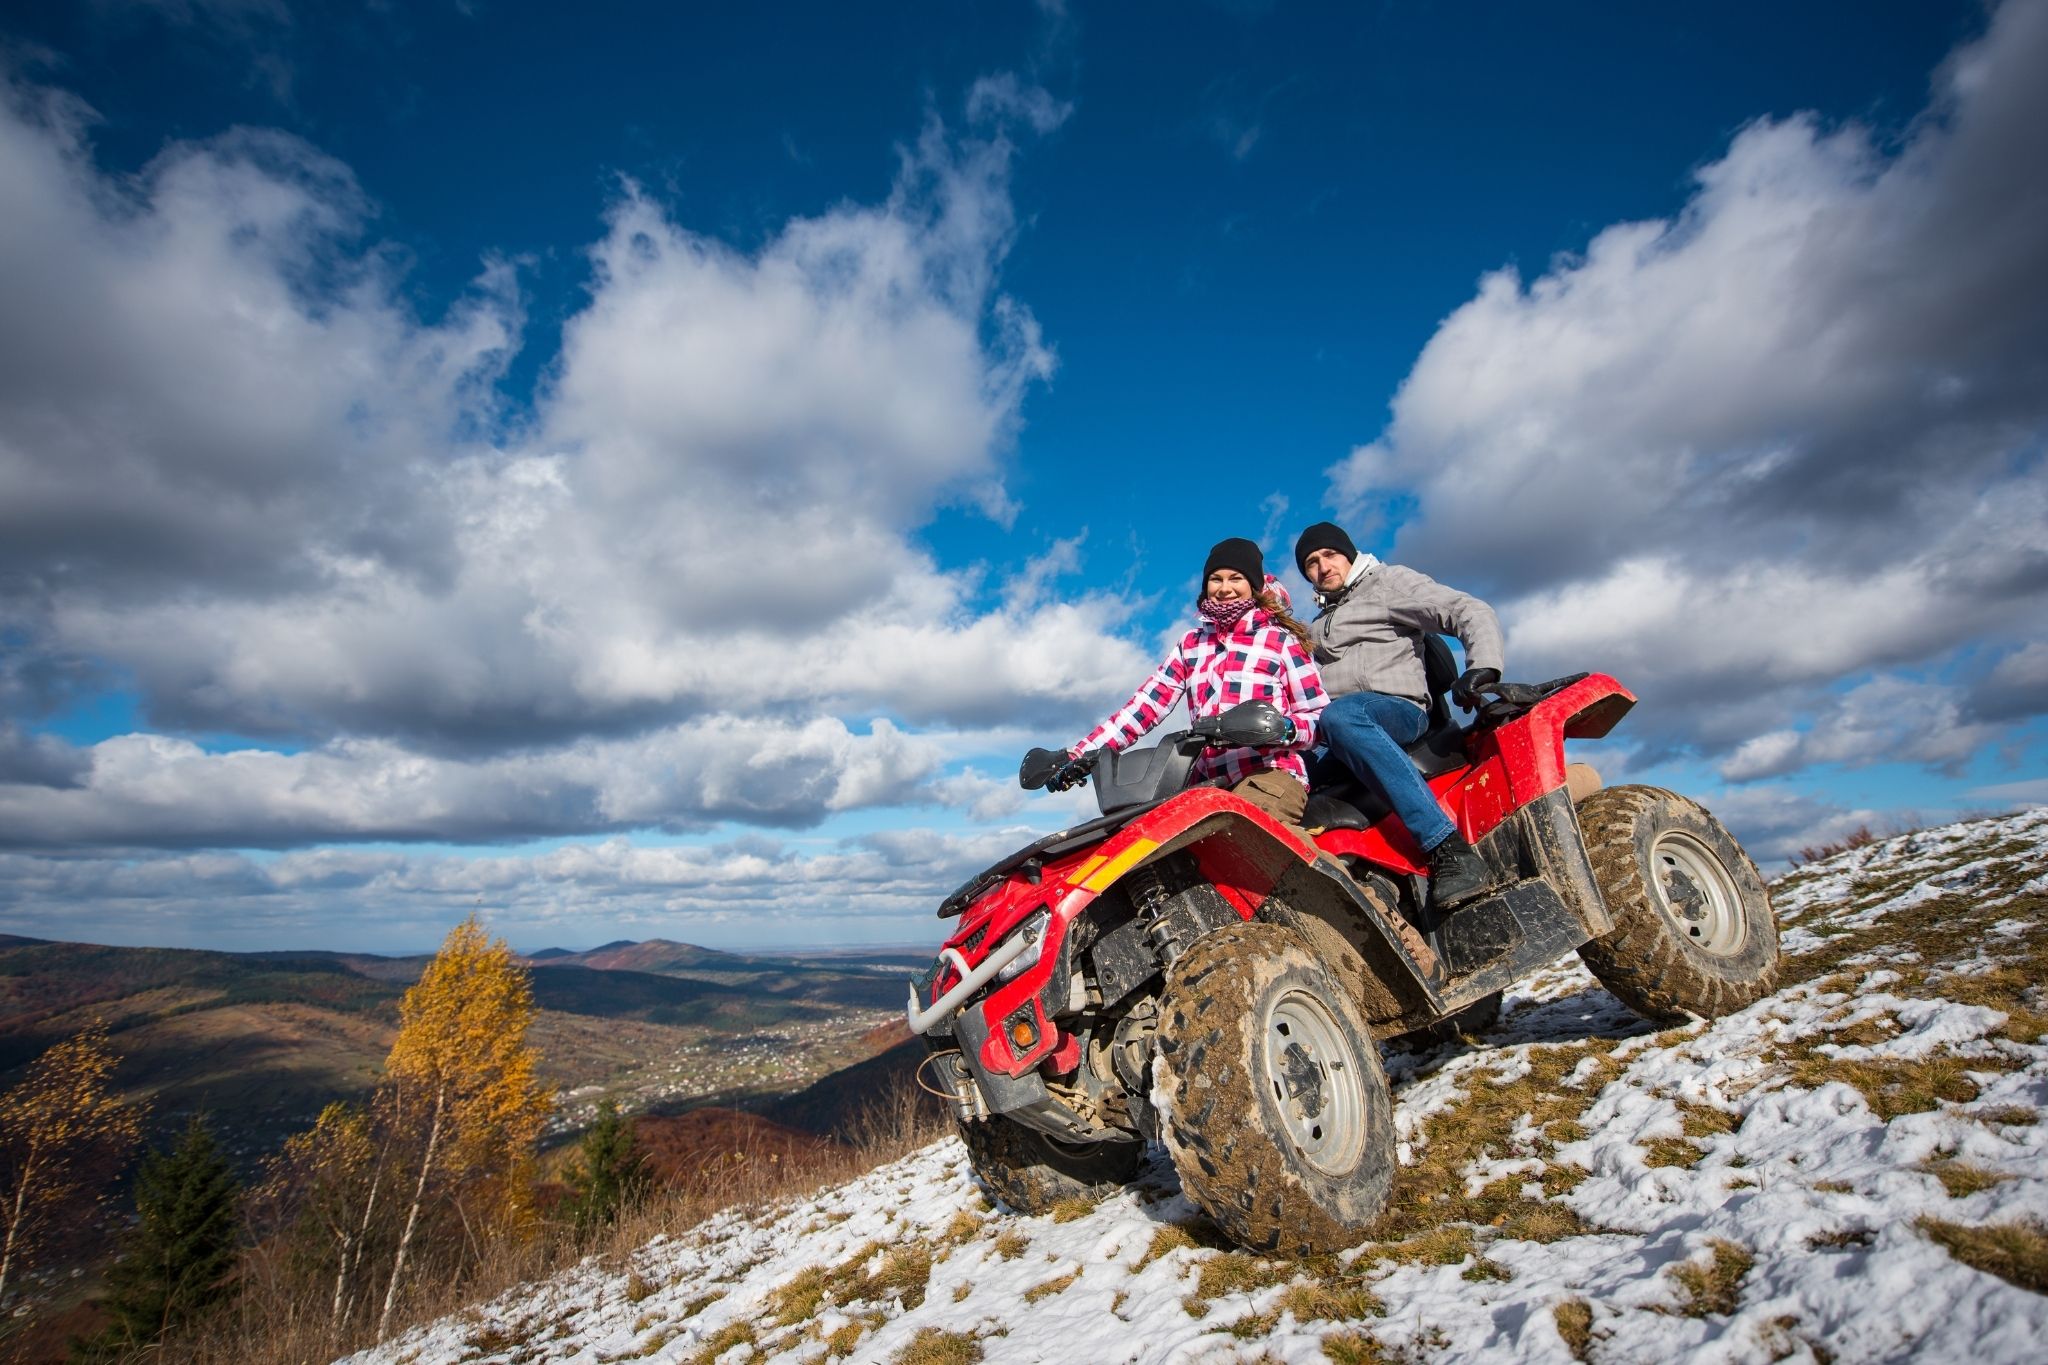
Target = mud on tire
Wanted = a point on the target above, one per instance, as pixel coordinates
(1031, 1172)
(1693, 928)
(1279, 1119)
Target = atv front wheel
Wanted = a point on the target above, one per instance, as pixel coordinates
(1279, 1120)
(1693, 929)
(1031, 1172)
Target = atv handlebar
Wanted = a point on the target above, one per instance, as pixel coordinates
(1247, 725)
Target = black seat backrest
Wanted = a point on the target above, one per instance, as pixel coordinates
(1442, 744)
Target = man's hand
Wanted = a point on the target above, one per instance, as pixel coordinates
(1465, 691)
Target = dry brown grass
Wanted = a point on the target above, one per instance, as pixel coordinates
(1963, 1178)
(1071, 1208)
(1430, 1194)
(273, 1323)
(1232, 1272)
(2008, 1116)
(1340, 1298)
(1574, 1319)
(934, 1346)
(1859, 837)
(718, 1343)
(1895, 1087)
(1010, 1244)
(1059, 1284)
(1715, 1288)
(2015, 1252)
(1355, 1348)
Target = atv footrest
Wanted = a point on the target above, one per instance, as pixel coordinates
(1492, 941)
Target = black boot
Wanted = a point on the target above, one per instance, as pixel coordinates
(1456, 874)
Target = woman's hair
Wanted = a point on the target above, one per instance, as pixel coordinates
(1274, 602)
(1269, 602)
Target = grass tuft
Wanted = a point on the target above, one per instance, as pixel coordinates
(1231, 1272)
(936, 1346)
(2008, 1116)
(1010, 1245)
(1963, 1178)
(1895, 1088)
(723, 1340)
(1059, 1284)
(1331, 1300)
(1355, 1348)
(1715, 1288)
(1574, 1319)
(2015, 1252)
(1072, 1207)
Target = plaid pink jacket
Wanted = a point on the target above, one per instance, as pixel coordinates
(1256, 661)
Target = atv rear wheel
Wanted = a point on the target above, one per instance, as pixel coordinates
(1279, 1120)
(1031, 1172)
(1693, 928)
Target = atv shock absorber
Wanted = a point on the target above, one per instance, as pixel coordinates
(1151, 898)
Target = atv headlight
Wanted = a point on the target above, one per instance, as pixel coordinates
(1033, 930)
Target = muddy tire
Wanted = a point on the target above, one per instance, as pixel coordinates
(1477, 1017)
(1278, 1117)
(1693, 928)
(1031, 1172)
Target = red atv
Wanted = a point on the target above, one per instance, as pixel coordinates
(1185, 968)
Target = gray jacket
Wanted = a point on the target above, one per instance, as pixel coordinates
(1369, 636)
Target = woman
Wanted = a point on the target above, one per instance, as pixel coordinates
(1246, 648)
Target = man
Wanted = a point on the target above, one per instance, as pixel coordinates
(1369, 647)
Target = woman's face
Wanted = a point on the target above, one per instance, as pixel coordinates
(1227, 585)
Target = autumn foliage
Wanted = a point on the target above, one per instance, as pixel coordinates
(63, 1131)
(437, 1168)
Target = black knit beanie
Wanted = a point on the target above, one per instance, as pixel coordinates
(1324, 535)
(1241, 555)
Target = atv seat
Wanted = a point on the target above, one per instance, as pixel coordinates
(1350, 804)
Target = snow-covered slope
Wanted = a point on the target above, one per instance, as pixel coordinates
(1810, 1179)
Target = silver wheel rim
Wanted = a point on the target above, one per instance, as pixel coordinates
(1316, 1081)
(1696, 890)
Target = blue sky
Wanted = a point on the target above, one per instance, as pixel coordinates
(651, 471)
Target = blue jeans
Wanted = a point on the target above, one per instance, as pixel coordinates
(1365, 731)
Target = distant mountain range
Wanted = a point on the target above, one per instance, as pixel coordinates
(262, 1040)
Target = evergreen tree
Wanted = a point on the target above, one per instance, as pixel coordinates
(613, 1173)
(179, 1261)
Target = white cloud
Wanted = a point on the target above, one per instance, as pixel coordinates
(738, 891)
(1788, 436)
(1885, 720)
(155, 790)
(236, 469)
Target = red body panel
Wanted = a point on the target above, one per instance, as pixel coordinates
(1511, 765)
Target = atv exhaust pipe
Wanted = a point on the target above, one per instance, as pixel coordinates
(921, 1020)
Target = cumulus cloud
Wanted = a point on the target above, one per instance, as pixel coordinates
(1886, 720)
(744, 890)
(158, 790)
(241, 474)
(1791, 435)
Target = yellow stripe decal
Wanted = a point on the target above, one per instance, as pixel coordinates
(1078, 874)
(1139, 850)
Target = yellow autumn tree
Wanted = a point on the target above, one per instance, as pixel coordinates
(335, 1178)
(62, 1130)
(462, 1075)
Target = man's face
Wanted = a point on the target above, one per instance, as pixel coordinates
(1327, 570)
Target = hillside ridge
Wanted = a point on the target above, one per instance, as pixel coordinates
(1848, 1169)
